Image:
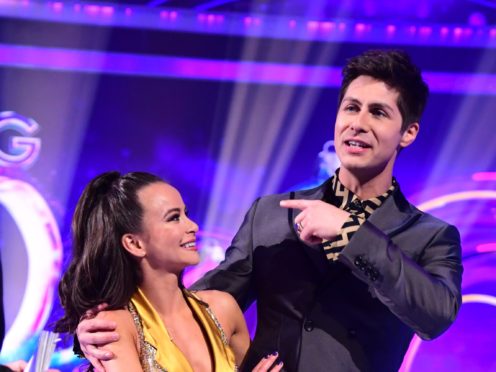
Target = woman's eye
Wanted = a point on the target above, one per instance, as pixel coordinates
(174, 217)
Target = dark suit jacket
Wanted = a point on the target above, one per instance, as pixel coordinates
(400, 274)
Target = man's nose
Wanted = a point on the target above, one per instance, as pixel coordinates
(359, 122)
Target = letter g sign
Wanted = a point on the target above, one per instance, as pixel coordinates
(22, 149)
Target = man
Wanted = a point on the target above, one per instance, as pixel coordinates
(346, 273)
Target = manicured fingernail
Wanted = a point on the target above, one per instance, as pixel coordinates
(274, 353)
(279, 363)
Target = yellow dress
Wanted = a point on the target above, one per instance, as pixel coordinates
(159, 353)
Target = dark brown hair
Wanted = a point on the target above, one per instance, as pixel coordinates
(101, 270)
(395, 68)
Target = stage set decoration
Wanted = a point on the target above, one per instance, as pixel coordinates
(228, 101)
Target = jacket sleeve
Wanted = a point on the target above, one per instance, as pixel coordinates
(234, 274)
(423, 292)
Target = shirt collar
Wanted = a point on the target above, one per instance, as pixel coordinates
(338, 195)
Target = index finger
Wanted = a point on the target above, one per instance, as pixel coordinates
(91, 313)
(96, 325)
(295, 203)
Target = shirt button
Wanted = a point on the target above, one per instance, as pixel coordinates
(355, 203)
(308, 325)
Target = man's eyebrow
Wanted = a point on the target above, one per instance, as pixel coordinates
(352, 100)
(381, 105)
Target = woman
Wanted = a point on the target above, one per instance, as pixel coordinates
(132, 239)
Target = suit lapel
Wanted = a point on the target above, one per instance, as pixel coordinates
(395, 215)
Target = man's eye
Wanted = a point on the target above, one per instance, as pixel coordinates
(351, 108)
(379, 112)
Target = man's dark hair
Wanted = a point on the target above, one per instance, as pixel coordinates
(395, 68)
(101, 270)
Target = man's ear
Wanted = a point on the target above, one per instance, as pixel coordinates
(133, 245)
(409, 135)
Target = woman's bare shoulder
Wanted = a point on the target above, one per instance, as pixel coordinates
(224, 307)
(218, 299)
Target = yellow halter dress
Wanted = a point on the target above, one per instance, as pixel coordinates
(159, 353)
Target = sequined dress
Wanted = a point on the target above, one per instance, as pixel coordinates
(157, 350)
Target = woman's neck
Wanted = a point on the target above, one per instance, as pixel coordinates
(164, 293)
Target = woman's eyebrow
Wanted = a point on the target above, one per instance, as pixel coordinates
(172, 210)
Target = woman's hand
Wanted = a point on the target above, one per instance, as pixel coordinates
(267, 364)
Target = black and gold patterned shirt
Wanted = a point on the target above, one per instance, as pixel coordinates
(360, 211)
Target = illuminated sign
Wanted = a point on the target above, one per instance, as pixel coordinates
(22, 149)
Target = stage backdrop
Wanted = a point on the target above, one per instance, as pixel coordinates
(225, 117)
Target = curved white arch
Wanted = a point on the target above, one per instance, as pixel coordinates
(417, 341)
(457, 196)
(41, 236)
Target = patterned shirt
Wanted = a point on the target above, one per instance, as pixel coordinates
(360, 211)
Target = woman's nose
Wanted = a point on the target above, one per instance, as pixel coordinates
(193, 226)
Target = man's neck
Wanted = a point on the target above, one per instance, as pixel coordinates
(365, 186)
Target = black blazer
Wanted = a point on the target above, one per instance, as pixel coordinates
(400, 274)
